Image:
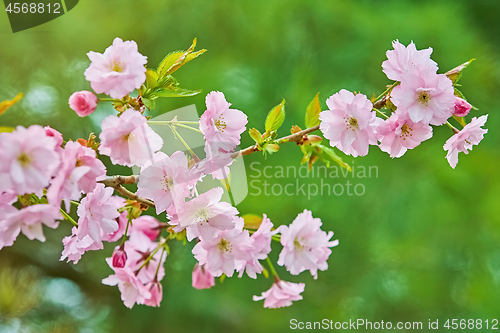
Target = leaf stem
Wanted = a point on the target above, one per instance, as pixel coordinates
(69, 218)
(271, 266)
(386, 91)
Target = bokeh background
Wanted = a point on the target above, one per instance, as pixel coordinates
(423, 242)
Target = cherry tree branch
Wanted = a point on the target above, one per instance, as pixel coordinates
(290, 138)
(116, 182)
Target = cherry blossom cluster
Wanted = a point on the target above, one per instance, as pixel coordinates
(419, 98)
(42, 176)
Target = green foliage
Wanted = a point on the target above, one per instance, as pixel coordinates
(275, 118)
(312, 112)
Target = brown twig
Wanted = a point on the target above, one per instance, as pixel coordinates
(116, 182)
(292, 137)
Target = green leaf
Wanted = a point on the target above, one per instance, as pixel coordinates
(312, 112)
(177, 59)
(271, 147)
(252, 221)
(151, 79)
(150, 104)
(275, 117)
(255, 135)
(5, 129)
(331, 153)
(222, 277)
(177, 92)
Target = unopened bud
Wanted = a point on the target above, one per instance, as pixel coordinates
(119, 258)
(462, 107)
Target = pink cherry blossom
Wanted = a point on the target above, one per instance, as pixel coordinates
(28, 220)
(349, 122)
(98, 212)
(128, 140)
(138, 248)
(28, 160)
(462, 107)
(118, 71)
(49, 131)
(131, 288)
(79, 172)
(122, 221)
(165, 181)
(156, 290)
(221, 125)
(427, 97)
(215, 163)
(305, 245)
(399, 133)
(83, 102)
(228, 251)
(202, 278)
(463, 141)
(205, 215)
(148, 225)
(261, 248)
(281, 294)
(75, 247)
(403, 60)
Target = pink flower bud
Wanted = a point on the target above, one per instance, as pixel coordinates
(49, 131)
(156, 291)
(462, 107)
(119, 258)
(83, 102)
(148, 225)
(202, 279)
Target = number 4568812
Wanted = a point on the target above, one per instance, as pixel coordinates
(33, 8)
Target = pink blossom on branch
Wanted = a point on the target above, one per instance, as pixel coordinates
(128, 140)
(79, 172)
(156, 290)
(28, 220)
(148, 225)
(305, 245)
(206, 214)
(28, 160)
(83, 102)
(463, 141)
(399, 133)
(118, 71)
(227, 252)
(221, 125)
(166, 180)
(131, 288)
(75, 246)
(427, 97)
(98, 212)
(202, 278)
(403, 60)
(349, 123)
(281, 294)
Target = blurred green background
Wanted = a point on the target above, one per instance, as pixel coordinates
(422, 243)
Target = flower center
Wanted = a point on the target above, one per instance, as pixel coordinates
(203, 215)
(78, 163)
(220, 123)
(127, 137)
(298, 246)
(24, 160)
(352, 123)
(225, 246)
(167, 183)
(406, 131)
(117, 67)
(424, 97)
